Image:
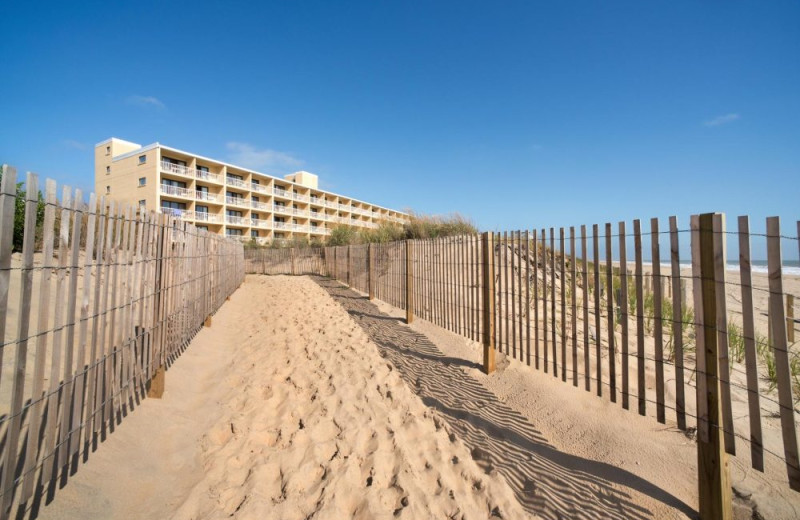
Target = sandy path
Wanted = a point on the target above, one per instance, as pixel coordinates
(283, 409)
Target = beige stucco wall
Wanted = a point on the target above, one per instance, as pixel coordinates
(122, 183)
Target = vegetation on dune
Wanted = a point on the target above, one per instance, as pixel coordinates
(418, 227)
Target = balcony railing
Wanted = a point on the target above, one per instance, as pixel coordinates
(200, 216)
(260, 205)
(177, 191)
(232, 181)
(277, 208)
(239, 221)
(260, 222)
(259, 187)
(206, 196)
(177, 168)
(297, 196)
(173, 211)
(180, 169)
(282, 193)
(236, 201)
(208, 176)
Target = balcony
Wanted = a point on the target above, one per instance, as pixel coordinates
(177, 191)
(261, 223)
(282, 193)
(299, 212)
(236, 201)
(177, 169)
(208, 176)
(207, 197)
(200, 216)
(260, 205)
(180, 169)
(259, 187)
(302, 198)
(285, 210)
(173, 212)
(238, 221)
(238, 183)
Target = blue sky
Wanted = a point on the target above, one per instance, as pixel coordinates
(516, 114)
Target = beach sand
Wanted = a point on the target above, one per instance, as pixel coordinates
(283, 409)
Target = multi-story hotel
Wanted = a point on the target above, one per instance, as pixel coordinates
(226, 199)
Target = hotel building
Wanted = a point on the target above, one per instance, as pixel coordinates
(227, 199)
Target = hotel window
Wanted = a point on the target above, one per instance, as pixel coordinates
(204, 228)
(108, 170)
(142, 204)
(255, 199)
(203, 169)
(170, 182)
(233, 232)
(169, 204)
(108, 189)
(142, 181)
(233, 213)
(173, 161)
(254, 233)
(142, 159)
(108, 150)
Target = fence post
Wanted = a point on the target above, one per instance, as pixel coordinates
(291, 255)
(409, 283)
(488, 302)
(348, 266)
(790, 317)
(369, 272)
(712, 460)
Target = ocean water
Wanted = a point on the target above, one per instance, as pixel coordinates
(790, 267)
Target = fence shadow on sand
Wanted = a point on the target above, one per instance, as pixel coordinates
(547, 482)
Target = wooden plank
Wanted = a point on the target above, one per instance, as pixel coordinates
(714, 482)
(780, 349)
(597, 335)
(697, 296)
(612, 358)
(535, 242)
(587, 374)
(513, 301)
(553, 301)
(658, 335)
(11, 448)
(563, 306)
(527, 298)
(640, 365)
(506, 307)
(65, 434)
(720, 258)
(624, 315)
(677, 324)
(83, 337)
(38, 397)
(574, 302)
(750, 352)
(545, 292)
(8, 190)
(52, 422)
(488, 302)
(409, 271)
(520, 317)
(95, 356)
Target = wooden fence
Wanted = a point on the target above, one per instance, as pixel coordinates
(584, 306)
(98, 301)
